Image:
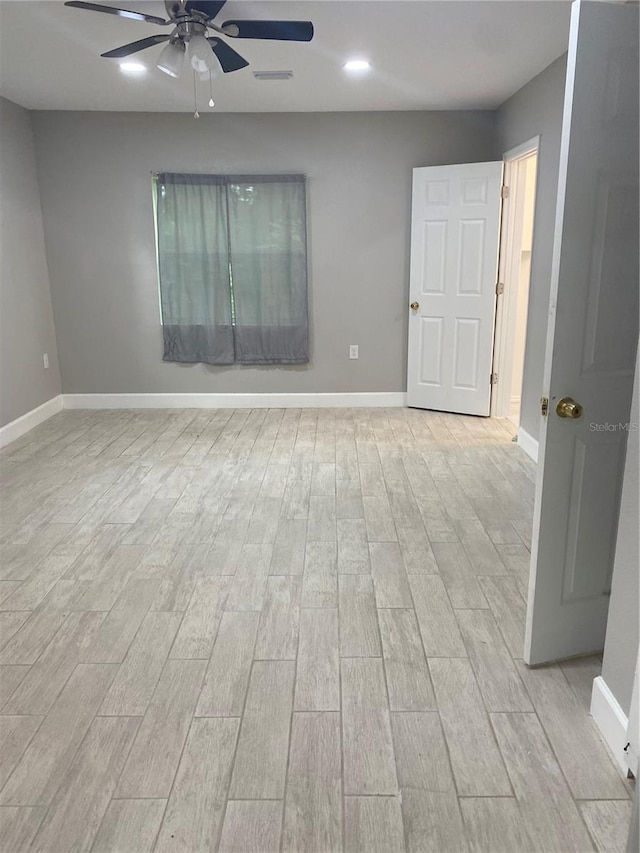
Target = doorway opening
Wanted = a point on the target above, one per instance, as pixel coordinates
(514, 273)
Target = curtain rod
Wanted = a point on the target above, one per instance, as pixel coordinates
(236, 174)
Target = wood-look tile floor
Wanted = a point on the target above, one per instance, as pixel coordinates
(283, 630)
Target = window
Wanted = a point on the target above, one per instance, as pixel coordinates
(232, 265)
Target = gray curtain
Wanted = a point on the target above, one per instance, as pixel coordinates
(193, 259)
(233, 268)
(267, 238)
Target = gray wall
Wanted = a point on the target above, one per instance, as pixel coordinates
(26, 321)
(94, 173)
(623, 625)
(536, 110)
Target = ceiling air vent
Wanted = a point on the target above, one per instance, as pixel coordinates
(273, 75)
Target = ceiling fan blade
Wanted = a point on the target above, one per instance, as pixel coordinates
(135, 46)
(229, 59)
(209, 7)
(110, 10)
(280, 30)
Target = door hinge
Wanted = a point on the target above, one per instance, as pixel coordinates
(504, 191)
(500, 288)
(493, 378)
(544, 406)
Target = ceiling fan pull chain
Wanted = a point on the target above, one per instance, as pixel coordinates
(212, 103)
(196, 114)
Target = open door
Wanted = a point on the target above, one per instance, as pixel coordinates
(592, 339)
(514, 275)
(455, 225)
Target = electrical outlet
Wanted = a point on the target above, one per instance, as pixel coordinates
(354, 351)
(45, 361)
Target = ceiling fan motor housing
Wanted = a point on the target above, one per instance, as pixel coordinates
(188, 29)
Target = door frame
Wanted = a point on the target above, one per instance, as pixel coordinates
(506, 303)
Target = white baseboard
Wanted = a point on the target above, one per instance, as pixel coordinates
(20, 426)
(384, 399)
(611, 721)
(528, 444)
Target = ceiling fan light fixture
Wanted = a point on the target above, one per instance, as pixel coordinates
(210, 73)
(171, 60)
(359, 65)
(201, 56)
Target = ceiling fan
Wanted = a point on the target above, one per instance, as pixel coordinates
(190, 20)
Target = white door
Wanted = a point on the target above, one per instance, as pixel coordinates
(455, 225)
(592, 340)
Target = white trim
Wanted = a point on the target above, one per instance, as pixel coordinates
(22, 425)
(504, 345)
(522, 150)
(385, 399)
(611, 721)
(528, 444)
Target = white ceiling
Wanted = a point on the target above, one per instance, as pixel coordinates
(425, 54)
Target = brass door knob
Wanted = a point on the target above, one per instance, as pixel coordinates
(414, 306)
(568, 408)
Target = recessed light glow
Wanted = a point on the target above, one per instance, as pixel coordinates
(133, 67)
(357, 65)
